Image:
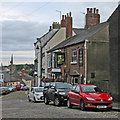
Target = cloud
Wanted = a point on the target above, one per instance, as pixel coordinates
(20, 35)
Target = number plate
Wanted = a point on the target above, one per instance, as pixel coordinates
(101, 106)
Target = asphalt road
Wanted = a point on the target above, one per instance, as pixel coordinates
(16, 105)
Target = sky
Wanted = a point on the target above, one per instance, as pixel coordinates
(23, 21)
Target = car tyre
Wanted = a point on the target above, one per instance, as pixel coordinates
(57, 101)
(82, 105)
(46, 100)
(109, 108)
(34, 100)
(29, 99)
(69, 105)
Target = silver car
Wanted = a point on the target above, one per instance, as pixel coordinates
(36, 94)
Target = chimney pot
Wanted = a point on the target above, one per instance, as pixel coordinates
(87, 10)
(94, 10)
(90, 10)
(62, 17)
(97, 11)
(67, 14)
(65, 17)
(70, 14)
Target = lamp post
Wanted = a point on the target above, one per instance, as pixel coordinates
(40, 64)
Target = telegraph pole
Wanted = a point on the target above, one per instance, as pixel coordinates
(60, 14)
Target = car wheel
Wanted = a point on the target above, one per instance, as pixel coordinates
(29, 99)
(69, 105)
(34, 100)
(56, 101)
(109, 108)
(46, 100)
(82, 105)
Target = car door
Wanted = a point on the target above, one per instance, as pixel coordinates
(71, 94)
(31, 94)
(77, 95)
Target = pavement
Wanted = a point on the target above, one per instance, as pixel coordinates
(116, 106)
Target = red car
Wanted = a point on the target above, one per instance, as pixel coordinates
(89, 96)
(17, 87)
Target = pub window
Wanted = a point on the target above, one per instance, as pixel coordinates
(81, 57)
(74, 55)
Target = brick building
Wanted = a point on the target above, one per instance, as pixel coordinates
(92, 54)
(83, 56)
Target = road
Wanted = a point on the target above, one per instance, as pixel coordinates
(16, 105)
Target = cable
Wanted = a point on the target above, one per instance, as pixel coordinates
(18, 4)
(31, 12)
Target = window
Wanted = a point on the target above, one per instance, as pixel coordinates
(81, 57)
(73, 88)
(92, 75)
(77, 89)
(74, 55)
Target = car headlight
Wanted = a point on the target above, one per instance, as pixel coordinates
(110, 99)
(62, 93)
(90, 98)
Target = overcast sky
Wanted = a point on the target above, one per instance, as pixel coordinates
(22, 22)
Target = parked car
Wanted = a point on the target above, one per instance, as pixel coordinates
(89, 96)
(17, 87)
(11, 88)
(4, 90)
(25, 88)
(57, 92)
(36, 94)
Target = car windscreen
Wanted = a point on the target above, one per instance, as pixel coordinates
(38, 89)
(91, 89)
(63, 86)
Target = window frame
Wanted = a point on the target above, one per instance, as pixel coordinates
(74, 56)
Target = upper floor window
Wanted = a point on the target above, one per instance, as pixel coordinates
(74, 55)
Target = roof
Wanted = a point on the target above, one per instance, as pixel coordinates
(78, 30)
(9, 77)
(80, 37)
(46, 37)
(27, 77)
(74, 73)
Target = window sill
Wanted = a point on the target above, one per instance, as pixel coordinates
(73, 63)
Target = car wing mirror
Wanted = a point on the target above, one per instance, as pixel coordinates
(77, 92)
(52, 87)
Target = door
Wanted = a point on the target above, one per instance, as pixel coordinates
(77, 95)
(71, 95)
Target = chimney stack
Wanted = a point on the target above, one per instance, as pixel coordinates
(68, 25)
(92, 17)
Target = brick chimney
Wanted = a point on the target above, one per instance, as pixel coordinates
(68, 20)
(56, 25)
(92, 17)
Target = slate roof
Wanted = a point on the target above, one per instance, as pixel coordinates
(80, 37)
(27, 77)
(9, 77)
(78, 30)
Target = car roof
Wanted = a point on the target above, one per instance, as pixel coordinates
(87, 85)
(37, 87)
